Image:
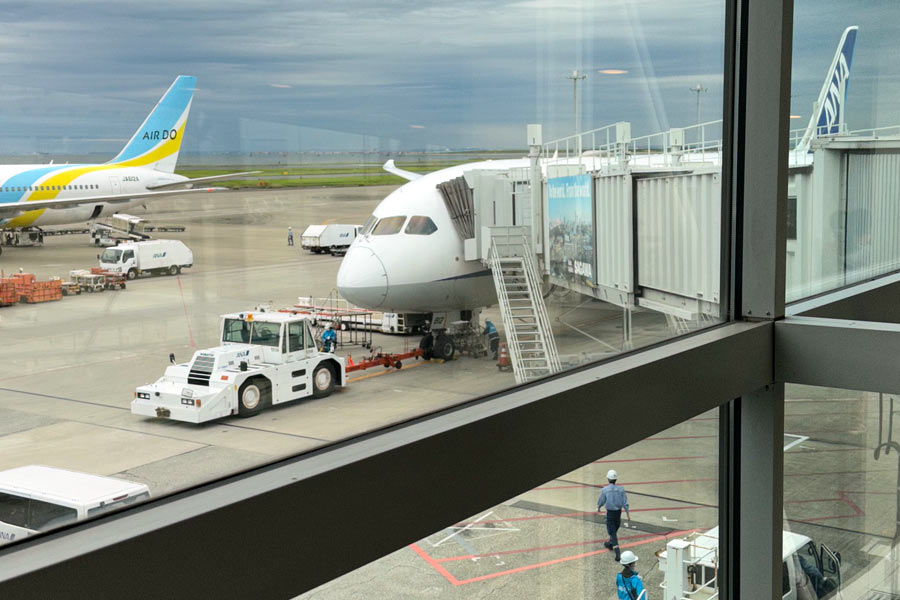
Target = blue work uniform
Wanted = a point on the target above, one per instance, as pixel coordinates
(615, 499)
(629, 585)
(329, 340)
(493, 337)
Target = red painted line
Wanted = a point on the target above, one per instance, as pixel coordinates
(537, 549)
(630, 483)
(578, 514)
(569, 558)
(678, 437)
(625, 460)
(434, 564)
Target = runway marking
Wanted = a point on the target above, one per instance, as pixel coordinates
(187, 319)
(455, 533)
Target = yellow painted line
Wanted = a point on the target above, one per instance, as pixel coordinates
(386, 371)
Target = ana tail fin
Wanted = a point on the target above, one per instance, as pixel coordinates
(157, 141)
(828, 116)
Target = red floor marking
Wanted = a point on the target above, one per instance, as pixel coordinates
(578, 514)
(678, 437)
(841, 497)
(536, 549)
(624, 460)
(437, 567)
(629, 483)
(457, 582)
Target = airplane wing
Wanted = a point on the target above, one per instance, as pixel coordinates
(390, 167)
(11, 209)
(189, 183)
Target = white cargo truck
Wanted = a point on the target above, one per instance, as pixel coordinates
(265, 358)
(690, 568)
(151, 256)
(334, 238)
(36, 498)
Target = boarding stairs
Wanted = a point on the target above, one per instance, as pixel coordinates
(532, 348)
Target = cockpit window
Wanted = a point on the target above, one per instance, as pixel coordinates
(420, 226)
(389, 226)
(367, 226)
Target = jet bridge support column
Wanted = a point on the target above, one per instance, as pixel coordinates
(539, 233)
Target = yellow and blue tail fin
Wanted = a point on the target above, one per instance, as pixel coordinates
(157, 141)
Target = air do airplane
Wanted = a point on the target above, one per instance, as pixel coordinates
(408, 257)
(35, 195)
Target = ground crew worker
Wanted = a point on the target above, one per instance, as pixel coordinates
(329, 339)
(493, 337)
(628, 583)
(290, 237)
(615, 499)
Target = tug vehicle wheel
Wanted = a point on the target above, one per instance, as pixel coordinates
(323, 380)
(252, 396)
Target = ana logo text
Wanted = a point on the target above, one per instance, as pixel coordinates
(834, 99)
(165, 134)
(159, 255)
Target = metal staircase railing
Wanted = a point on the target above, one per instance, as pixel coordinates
(532, 348)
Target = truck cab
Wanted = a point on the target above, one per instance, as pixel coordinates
(690, 567)
(265, 358)
(36, 498)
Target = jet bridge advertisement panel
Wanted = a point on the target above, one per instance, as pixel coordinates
(572, 237)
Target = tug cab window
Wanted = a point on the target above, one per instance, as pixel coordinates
(420, 226)
(389, 226)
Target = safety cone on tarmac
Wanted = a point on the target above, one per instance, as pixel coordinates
(503, 363)
(349, 360)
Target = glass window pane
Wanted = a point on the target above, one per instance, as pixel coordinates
(845, 148)
(841, 490)
(552, 542)
(572, 260)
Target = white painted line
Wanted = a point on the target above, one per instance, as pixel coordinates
(668, 520)
(461, 529)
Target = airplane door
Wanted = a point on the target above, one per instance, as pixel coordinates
(114, 185)
(831, 568)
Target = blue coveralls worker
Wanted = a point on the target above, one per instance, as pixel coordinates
(628, 583)
(329, 339)
(614, 498)
(493, 337)
(290, 237)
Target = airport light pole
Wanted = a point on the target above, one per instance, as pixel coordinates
(575, 76)
(699, 89)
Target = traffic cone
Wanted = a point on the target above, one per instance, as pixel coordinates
(503, 363)
(349, 360)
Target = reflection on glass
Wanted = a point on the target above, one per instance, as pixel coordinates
(551, 541)
(841, 502)
(844, 207)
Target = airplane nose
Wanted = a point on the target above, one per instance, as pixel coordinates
(362, 278)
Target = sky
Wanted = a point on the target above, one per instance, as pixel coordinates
(392, 75)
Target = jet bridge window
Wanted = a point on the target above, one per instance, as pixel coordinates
(420, 226)
(389, 226)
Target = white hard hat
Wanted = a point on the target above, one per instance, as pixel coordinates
(328, 326)
(628, 558)
(611, 474)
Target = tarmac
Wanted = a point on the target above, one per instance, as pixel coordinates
(70, 369)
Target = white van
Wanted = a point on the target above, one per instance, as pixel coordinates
(37, 498)
(334, 238)
(150, 256)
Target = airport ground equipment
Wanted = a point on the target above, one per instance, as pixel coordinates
(265, 358)
(120, 227)
(164, 257)
(690, 567)
(24, 287)
(386, 360)
(334, 238)
(38, 498)
(532, 347)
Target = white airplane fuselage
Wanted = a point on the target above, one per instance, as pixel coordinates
(402, 272)
(20, 183)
